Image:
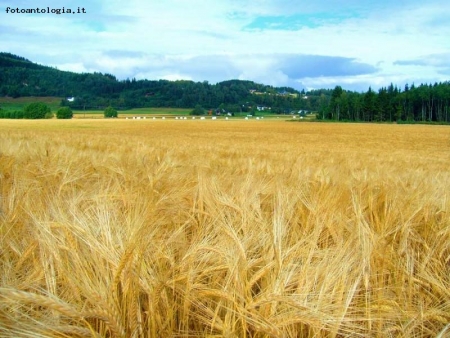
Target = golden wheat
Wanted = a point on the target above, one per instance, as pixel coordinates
(223, 229)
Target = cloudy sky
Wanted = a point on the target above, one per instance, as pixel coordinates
(302, 44)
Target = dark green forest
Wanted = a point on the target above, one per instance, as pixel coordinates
(424, 103)
(20, 77)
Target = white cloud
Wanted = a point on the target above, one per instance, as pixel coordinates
(204, 40)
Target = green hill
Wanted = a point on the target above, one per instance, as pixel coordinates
(20, 77)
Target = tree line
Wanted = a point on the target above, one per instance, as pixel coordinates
(35, 111)
(39, 110)
(424, 103)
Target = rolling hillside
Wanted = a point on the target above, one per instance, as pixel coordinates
(20, 77)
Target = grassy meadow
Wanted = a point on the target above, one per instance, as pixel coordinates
(152, 228)
(9, 103)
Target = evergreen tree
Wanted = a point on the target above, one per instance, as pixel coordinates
(336, 103)
(369, 105)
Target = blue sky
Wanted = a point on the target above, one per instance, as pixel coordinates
(302, 44)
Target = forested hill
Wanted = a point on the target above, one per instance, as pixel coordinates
(20, 77)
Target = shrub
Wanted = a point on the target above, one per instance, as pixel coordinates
(64, 113)
(19, 114)
(110, 112)
(198, 110)
(37, 110)
(8, 114)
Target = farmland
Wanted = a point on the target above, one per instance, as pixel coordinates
(19, 104)
(12, 104)
(152, 228)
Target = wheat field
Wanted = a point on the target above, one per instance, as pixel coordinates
(115, 228)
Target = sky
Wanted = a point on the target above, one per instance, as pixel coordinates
(301, 44)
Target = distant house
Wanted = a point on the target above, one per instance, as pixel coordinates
(286, 93)
(220, 111)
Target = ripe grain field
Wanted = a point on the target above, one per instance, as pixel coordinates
(115, 228)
